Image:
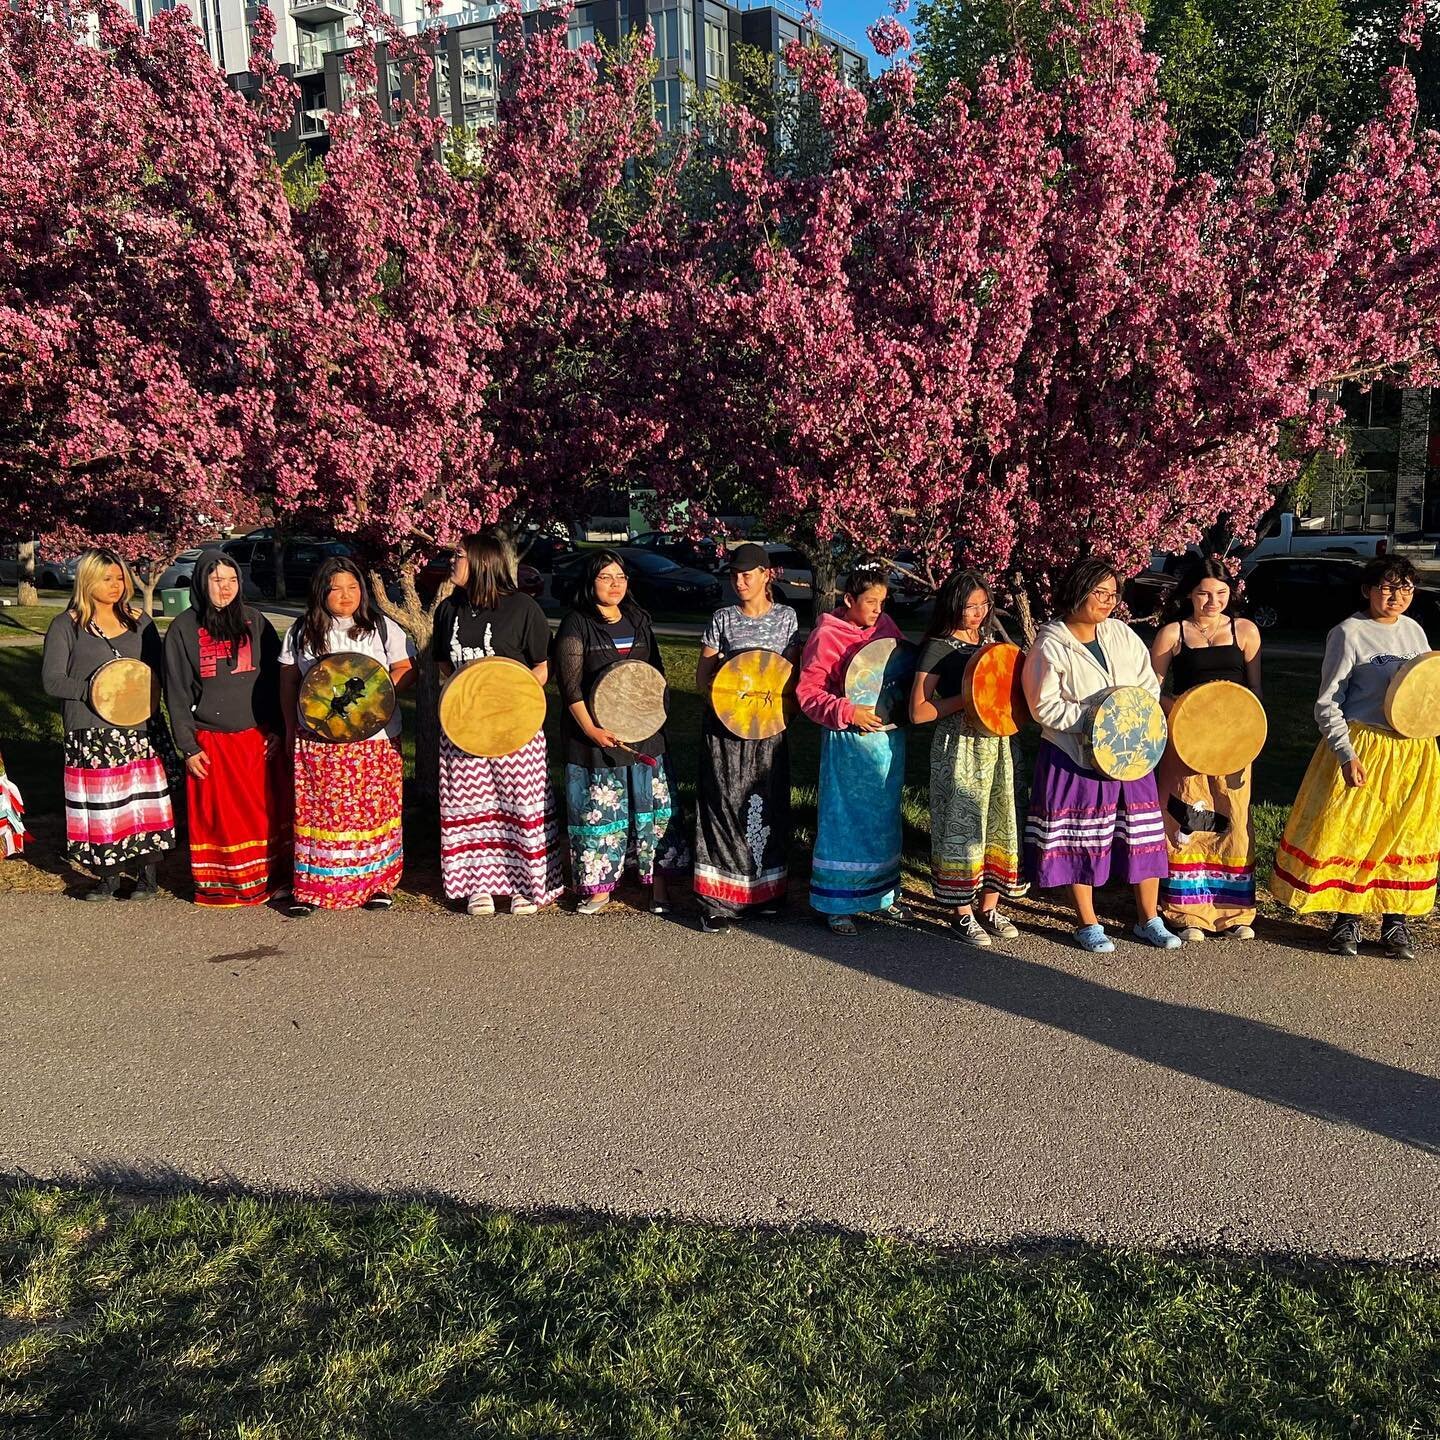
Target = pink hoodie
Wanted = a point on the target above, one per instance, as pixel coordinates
(821, 686)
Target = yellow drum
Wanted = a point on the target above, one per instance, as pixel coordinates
(991, 689)
(124, 692)
(1217, 728)
(751, 694)
(1412, 699)
(492, 707)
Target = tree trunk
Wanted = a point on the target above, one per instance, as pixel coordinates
(147, 592)
(419, 624)
(825, 581)
(25, 590)
(277, 558)
(1025, 616)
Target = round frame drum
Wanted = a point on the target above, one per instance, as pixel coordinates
(628, 700)
(752, 695)
(492, 707)
(994, 698)
(1127, 733)
(1217, 728)
(1412, 699)
(346, 698)
(124, 692)
(879, 675)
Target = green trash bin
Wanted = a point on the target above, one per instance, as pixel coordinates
(174, 601)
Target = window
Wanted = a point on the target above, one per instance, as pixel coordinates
(578, 35)
(717, 52)
(477, 73)
(667, 34)
(669, 104)
(687, 37)
(479, 116)
(442, 85)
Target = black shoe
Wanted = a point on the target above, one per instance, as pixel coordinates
(105, 890)
(1344, 936)
(1395, 937)
(298, 909)
(146, 887)
(379, 901)
(714, 924)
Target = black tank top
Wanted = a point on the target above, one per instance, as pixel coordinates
(1195, 665)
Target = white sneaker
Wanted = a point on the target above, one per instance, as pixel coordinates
(480, 905)
(1238, 932)
(519, 905)
(593, 906)
(1191, 936)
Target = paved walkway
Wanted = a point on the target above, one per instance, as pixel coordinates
(1254, 1096)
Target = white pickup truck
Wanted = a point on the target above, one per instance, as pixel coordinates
(1292, 536)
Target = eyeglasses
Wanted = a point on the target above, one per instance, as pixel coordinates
(611, 578)
(1403, 589)
(1104, 595)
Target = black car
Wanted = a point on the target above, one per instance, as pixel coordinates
(655, 582)
(302, 556)
(1316, 592)
(692, 554)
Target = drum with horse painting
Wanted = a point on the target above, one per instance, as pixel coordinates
(492, 707)
(752, 694)
(346, 698)
(1126, 733)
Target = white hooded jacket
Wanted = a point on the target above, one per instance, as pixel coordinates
(1062, 679)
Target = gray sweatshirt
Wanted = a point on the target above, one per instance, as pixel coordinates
(73, 655)
(1361, 658)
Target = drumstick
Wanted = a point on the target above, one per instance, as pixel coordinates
(631, 750)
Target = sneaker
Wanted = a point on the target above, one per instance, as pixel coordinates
(1344, 936)
(480, 905)
(1395, 937)
(1193, 935)
(971, 931)
(1094, 939)
(1154, 932)
(519, 905)
(1238, 932)
(592, 905)
(298, 909)
(714, 924)
(379, 901)
(997, 924)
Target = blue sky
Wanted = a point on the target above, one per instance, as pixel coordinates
(852, 16)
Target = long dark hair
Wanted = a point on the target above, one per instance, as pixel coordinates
(228, 623)
(950, 599)
(1079, 580)
(316, 622)
(491, 568)
(585, 602)
(1177, 607)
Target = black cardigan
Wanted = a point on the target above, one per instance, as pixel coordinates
(583, 649)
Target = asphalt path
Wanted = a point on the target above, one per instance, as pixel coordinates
(1256, 1096)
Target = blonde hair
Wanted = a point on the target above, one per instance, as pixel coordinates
(89, 571)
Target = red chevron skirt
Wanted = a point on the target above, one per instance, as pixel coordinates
(498, 830)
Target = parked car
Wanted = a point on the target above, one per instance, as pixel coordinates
(179, 575)
(434, 574)
(1290, 535)
(302, 556)
(543, 551)
(655, 582)
(696, 554)
(1316, 593)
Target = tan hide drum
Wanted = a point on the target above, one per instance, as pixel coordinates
(346, 698)
(1412, 699)
(124, 692)
(629, 701)
(1126, 733)
(1217, 728)
(751, 694)
(993, 697)
(879, 675)
(492, 707)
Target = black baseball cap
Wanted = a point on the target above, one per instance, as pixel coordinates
(749, 556)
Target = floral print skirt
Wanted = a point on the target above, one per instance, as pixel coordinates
(742, 829)
(618, 814)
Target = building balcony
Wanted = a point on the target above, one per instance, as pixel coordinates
(321, 12)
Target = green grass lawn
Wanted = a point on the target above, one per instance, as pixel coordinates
(202, 1316)
(31, 740)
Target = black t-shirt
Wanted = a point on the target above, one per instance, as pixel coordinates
(516, 629)
(946, 658)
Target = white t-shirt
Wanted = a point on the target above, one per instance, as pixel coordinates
(394, 647)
